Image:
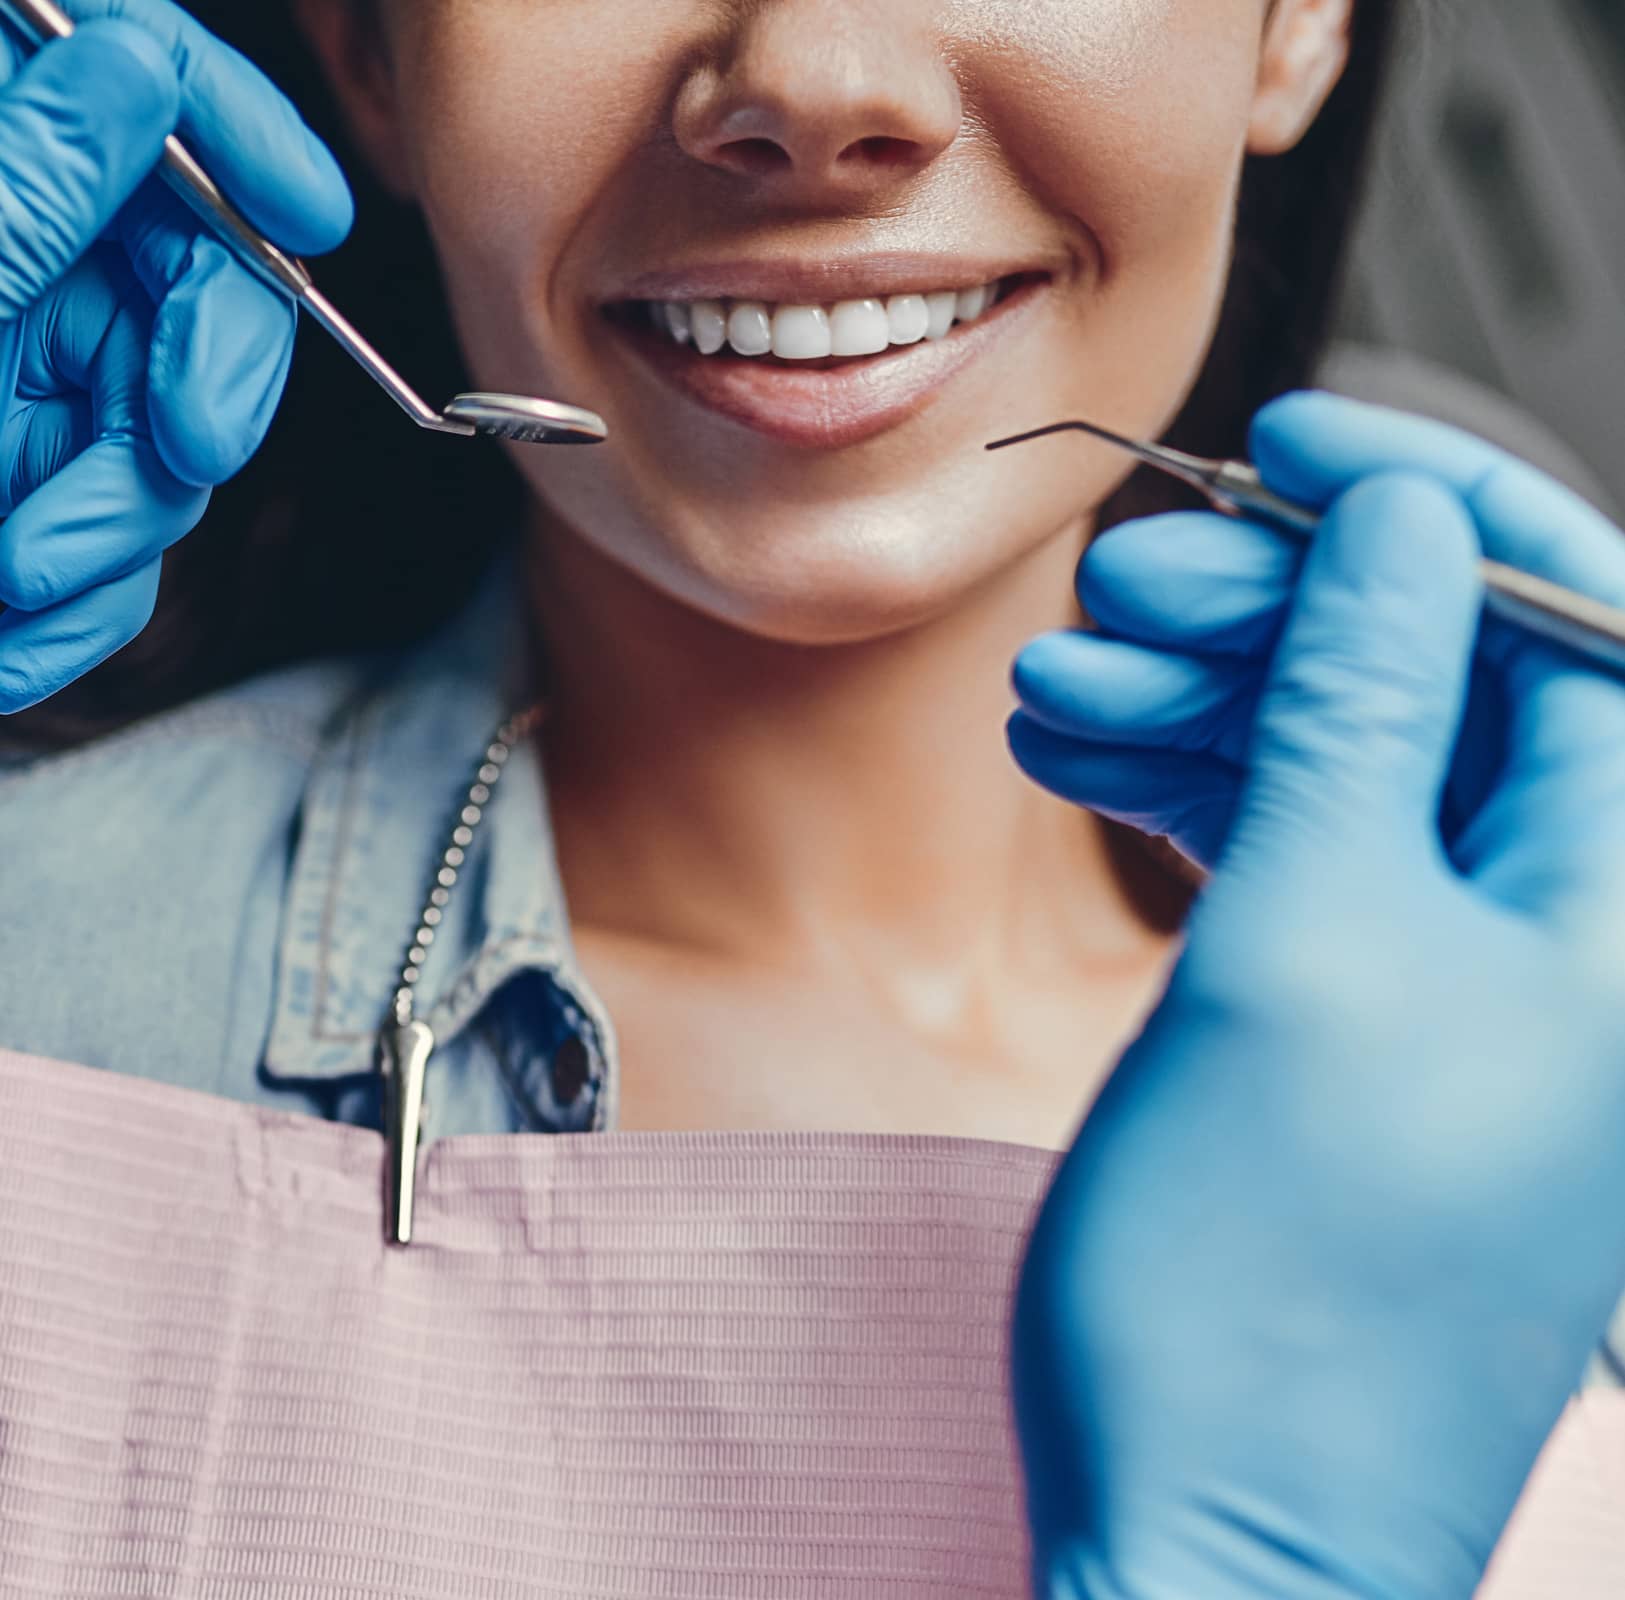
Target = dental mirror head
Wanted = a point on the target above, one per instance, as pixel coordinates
(527, 421)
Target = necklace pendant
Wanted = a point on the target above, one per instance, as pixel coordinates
(404, 1050)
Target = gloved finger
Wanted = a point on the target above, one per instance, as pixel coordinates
(1562, 725)
(1188, 799)
(1567, 720)
(62, 346)
(80, 126)
(244, 130)
(109, 511)
(80, 330)
(113, 506)
(222, 344)
(222, 341)
(1546, 841)
(1112, 691)
(1364, 699)
(1312, 446)
(38, 442)
(1191, 581)
(1540, 527)
(43, 651)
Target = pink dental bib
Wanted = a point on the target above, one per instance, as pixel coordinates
(701, 1367)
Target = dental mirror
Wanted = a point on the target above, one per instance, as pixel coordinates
(502, 416)
(527, 421)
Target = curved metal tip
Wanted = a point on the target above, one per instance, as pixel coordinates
(527, 420)
(1061, 427)
(1201, 474)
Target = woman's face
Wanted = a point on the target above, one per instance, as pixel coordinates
(597, 175)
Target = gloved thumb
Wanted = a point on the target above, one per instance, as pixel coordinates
(81, 126)
(1365, 697)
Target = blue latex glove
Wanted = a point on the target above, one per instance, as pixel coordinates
(1331, 1252)
(139, 362)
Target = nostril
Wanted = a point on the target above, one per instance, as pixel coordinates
(755, 156)
(880, 151)
(765, 158)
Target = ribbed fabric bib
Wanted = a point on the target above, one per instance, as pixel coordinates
(612, 1366)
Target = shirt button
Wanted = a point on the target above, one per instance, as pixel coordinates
(570, 1070)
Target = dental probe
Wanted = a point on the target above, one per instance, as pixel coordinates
(503, 416)
(1586, 626)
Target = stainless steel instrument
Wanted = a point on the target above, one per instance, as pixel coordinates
(1586, 626)
(505, 416)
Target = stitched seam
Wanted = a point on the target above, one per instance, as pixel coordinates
(324, 937)
(469, 978)
(473, 987)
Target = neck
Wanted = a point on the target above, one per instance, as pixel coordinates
(824, 805)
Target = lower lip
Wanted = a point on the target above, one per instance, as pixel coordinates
(832, 408)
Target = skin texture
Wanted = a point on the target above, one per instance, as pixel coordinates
(803, 871)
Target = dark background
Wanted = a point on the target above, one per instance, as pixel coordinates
(1494, 234)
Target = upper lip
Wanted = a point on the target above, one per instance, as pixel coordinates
(826, 280)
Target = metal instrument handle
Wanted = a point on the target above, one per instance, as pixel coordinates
(39, 19)
(1576, 621)
(42, 20)
(1241, 486)
(181, 171)
(1588, 627)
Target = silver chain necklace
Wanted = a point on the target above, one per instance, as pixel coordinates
(405, 1042)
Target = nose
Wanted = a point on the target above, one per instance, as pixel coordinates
(822, 101)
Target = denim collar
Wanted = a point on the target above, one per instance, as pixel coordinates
(382, 798)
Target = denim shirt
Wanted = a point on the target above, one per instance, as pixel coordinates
(222, 897)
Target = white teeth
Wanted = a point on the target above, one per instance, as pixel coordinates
(971, 304)
(941, 310)
(802, 333)
(750, 328)
(710, 326)
(678, 323)
(908, 318)
(859, 328)
(812, 333)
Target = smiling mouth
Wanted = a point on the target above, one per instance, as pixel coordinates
(819, 375)
(847, 329)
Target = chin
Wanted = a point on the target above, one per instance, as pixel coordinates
(820, 580)
(830, 609)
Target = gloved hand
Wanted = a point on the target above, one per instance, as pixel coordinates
(1332, 1249)
(139, 362)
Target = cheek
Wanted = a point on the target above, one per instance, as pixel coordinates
(511, 148)
(1129, 116)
